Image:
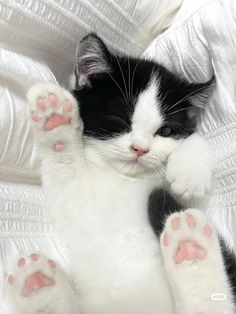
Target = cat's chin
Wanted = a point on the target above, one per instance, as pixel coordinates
(131, 168)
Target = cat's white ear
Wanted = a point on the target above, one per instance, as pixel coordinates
(92, 60)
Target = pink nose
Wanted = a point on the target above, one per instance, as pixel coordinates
(139, 151)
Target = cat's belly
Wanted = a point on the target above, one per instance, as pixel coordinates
(115, 257)
(133, 293)
(120, 274)
(126, 287)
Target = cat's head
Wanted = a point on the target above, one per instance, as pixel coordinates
(135, 112)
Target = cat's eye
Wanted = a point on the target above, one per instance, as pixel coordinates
(114, 123)
(165, 131)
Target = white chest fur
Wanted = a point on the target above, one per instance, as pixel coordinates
(116, 258)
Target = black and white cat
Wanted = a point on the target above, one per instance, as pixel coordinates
(113, 153)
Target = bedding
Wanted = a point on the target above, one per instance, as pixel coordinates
(37, 43)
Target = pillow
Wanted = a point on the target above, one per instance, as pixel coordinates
(157, 17)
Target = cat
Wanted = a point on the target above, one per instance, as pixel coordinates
(122, 162)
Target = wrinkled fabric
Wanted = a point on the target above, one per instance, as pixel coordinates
(200, 43)
(50, 30)
(19, 160)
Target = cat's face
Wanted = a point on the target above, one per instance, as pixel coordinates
(135, 112)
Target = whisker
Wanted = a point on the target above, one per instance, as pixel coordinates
(122, 77)
(176, 124)
(174, 112)
(163, 189)
(129, 76)
(117, 85)
(186, 97)
(132, 81)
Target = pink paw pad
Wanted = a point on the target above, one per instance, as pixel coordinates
(176, 223)
(191, 221)
(207, 231)
(11, 280)
(165, 240)
(54, 121)
(35, 117)
(68, 106)
(41, 104)
(188, 251)
(36, 281)
(59, 147)
(51, 263)
(53, 100)
(34, 257)
(21, 262)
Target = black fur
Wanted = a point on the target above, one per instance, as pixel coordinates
(107, 100)
(160, 206)
(230, 266)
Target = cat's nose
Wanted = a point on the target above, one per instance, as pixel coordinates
(139, 151)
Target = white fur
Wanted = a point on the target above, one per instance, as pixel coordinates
(190, 168)
(97, 192)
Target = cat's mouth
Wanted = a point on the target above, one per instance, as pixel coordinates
(135, 166)
(133, 161)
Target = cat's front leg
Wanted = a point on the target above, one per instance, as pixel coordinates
(189, 169)
(37, 285)
(194, 265)
(57, 128)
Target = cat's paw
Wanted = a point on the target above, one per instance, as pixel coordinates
(53, 113)
(188, 183)
(31, 274)
(36, 284)
(189, 173)
(194, 265)
(188, 238)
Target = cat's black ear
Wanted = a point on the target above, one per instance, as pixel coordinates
(198, 95)
(92, 60)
